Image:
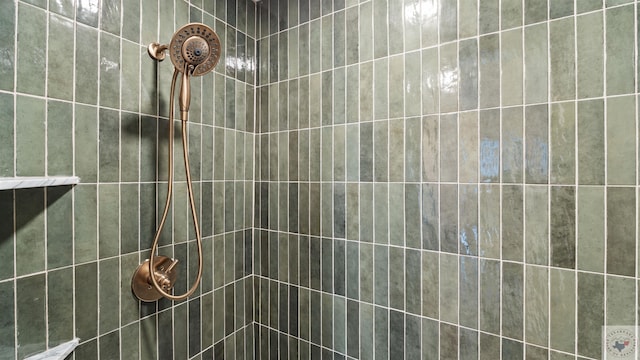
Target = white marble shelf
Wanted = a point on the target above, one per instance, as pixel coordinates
(23, 182)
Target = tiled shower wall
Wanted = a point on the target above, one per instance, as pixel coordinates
(80, 96)
(445, 178)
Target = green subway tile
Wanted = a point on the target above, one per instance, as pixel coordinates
(590, 53)
(397, 219)
(489, 16)
(396, 86)
(412, 22)
(381, 275)
(30, 136)
(339, 96)
(86, 143)
(512, 223)
(59, 227)
(7, 133)
(109, 139)
(108, 221)
(7, 320)
(381, 213)
(130, 339)
(397, 294)
(591, 139)
(620, 72)
(31, 72)
(563, 237)
(30, 231)
(430, 284)
(131, 20)
(563, 129)
(468, 57)
(449, 280)
(396, 14)
(512, 67)
(489, 146)
(512, 145)
(591, 222)
(429, 23)
(366, 91)
(560, 8)
(468, 222)
(412, 90)
(130, 77)
(430, 81)
(621, 303)
(430, 217)
(110, 17)
(536, 305)
(468, 22)
(448, 20)
(448, 77)
(511, 13)
(381, 152)
(489, 347)
(537, 225)
(489, 71)
(380, 26)
(110, 345)
(621, 231)
(7, 44)
(588, 5)
(512, 300)
(339, 39)
(449, 341)
(562, 59)
(352, 153)
(129, 224)
(366, 272)
(60, 304)
(621, 140)
(85, 217)
(449, 218)
(412, 148)
(86, 68)
(59, 138)
(380, 89)
(468, 344)
(448, 147)
(537, 144)
(490, 295)
(87, 12)
(430, 146)
(590, 314)
(60, 68)
(31, 320)
(363, 35)
(315, 45)
(535, 11)
(396, 150)
(535, 62)
(489, 222)
(469, 292)
(352, 84)
(109, 71)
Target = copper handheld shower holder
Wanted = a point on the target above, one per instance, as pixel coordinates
(157, 51)
(142, 285)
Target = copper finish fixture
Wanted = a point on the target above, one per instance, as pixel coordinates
(194, 51)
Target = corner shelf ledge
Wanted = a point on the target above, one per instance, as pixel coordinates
(23, 182)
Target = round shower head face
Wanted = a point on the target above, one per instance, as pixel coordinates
(195, 44)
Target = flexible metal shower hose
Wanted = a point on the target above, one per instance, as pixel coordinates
(194, 214)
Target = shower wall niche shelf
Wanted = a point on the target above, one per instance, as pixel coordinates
(23, 182)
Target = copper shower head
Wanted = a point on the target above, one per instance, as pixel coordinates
(195, 44)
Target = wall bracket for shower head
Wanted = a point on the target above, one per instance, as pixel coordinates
(157, 50)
